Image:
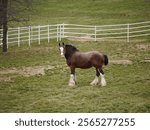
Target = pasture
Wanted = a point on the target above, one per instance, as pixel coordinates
(35, 79)
(92, 12)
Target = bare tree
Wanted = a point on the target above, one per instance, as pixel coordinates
(13, 10)
(0, 20)
(4, 19)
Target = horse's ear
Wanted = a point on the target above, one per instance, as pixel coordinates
(59, 44)
(63, 43)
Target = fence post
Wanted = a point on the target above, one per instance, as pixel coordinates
(39, 34)
(18, 36)
(48, 38)
(128, 33)
(7, 39)
(60, 32)
(63, 30)
(95, 33)
(0, 37)
(57, 32)
(29, 36)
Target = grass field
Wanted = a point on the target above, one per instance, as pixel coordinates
(92, 12)
(35, 79)
(127, 90)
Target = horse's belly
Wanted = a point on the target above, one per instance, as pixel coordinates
(84, 65)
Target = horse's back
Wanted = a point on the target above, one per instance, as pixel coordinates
(89, 54)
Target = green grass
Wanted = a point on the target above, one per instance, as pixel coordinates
(127, 87)
(93, 12)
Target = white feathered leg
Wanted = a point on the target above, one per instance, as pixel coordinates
(72, 81)
(95, 81)
(103, 81)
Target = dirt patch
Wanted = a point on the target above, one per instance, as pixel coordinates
(25, 71)
(143, 47)
(121, 62)
(45, 49)
(82, 38)
(146, 60)
(37, 70)
(6, 79)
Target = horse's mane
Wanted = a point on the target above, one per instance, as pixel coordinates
(73, 48)
(70, 50)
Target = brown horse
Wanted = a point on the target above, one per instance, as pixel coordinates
(77, 59)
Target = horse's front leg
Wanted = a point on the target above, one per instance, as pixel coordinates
(72, 81)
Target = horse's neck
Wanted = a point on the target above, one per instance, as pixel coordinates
(68, 55)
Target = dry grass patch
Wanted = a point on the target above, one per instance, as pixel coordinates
(121, 62)
(24, 71)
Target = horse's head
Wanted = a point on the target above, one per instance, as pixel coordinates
(61, 48)
(67, 50)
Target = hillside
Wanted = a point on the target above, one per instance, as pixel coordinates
(94, 12)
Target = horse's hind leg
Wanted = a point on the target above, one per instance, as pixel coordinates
(103, 81)
(96, 80)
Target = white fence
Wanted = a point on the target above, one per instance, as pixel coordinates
(77, 32)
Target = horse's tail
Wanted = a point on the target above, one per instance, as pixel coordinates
(105, 59)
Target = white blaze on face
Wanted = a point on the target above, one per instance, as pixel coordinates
(61, 51)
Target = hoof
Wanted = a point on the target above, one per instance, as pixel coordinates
(103, 84)
(72, 84)
(94, 83)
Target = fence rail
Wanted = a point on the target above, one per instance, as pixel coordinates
(75, 31)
